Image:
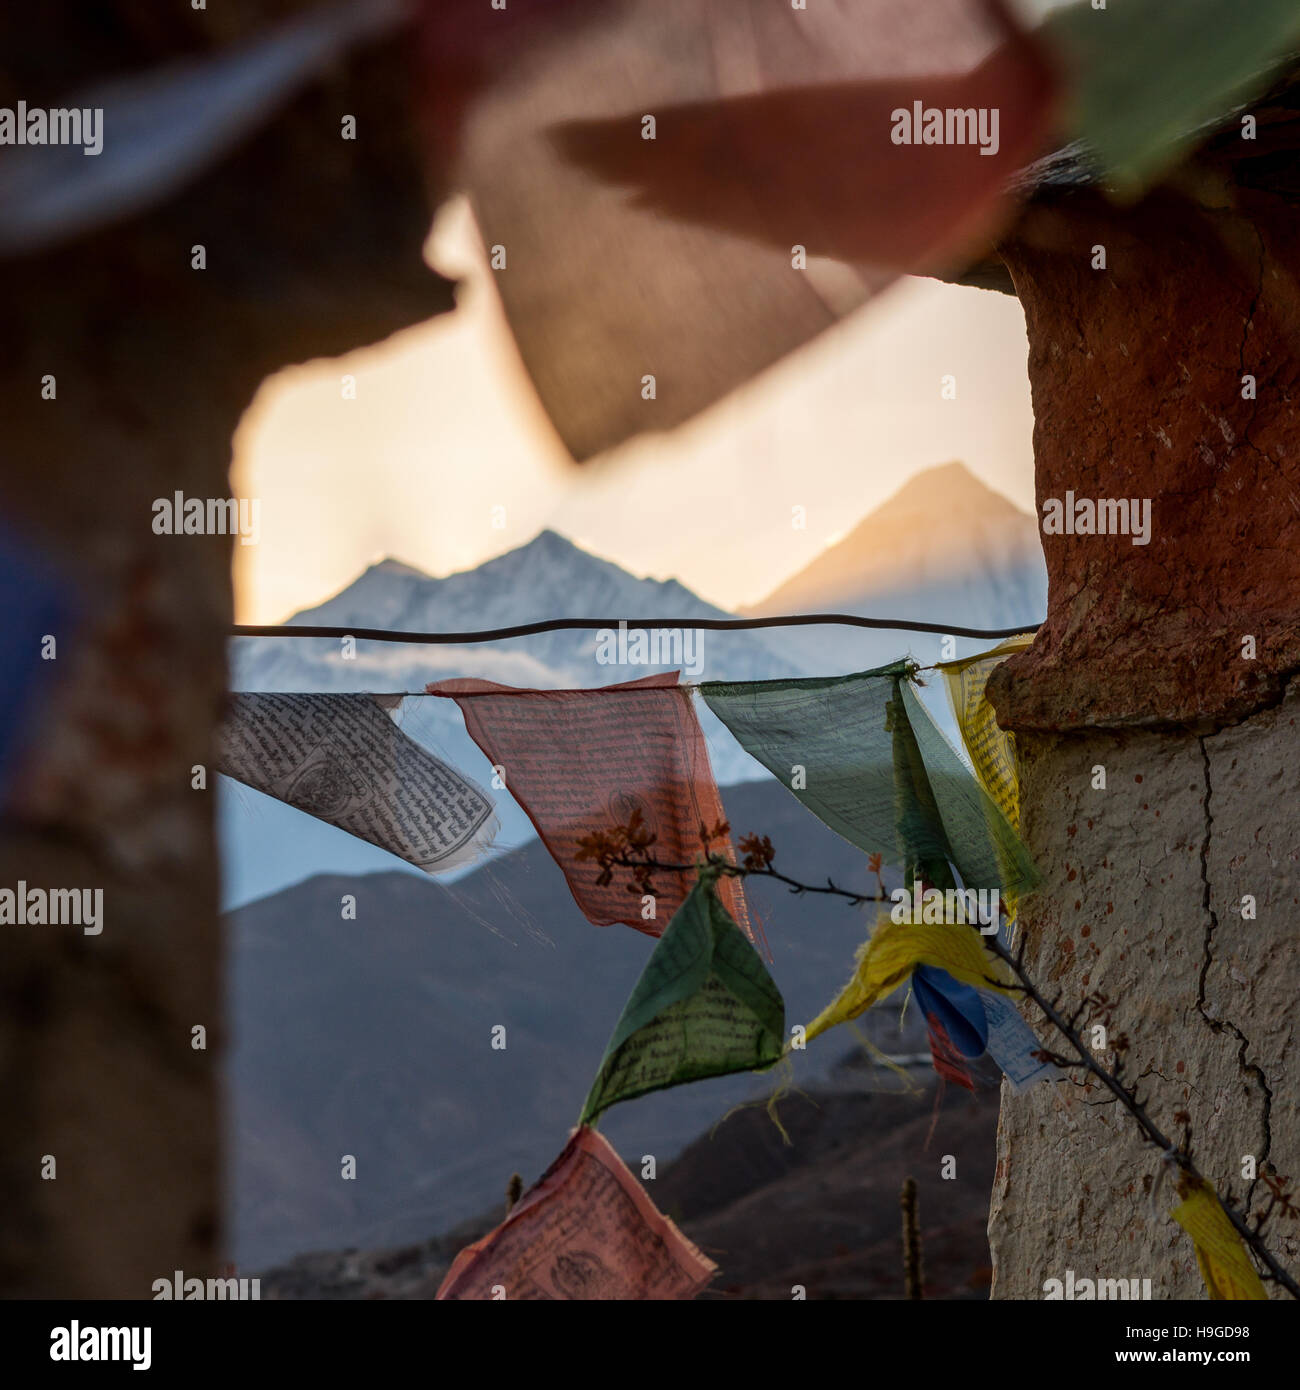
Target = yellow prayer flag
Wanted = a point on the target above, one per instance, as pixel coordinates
(992, 750)
(895, 950)
(1225, 1264)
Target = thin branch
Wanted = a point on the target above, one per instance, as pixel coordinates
(731, 870)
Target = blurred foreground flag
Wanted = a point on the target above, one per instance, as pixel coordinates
(586, 763)
(676, 193)
(1150, 79)
(150, 133)
(586, 1230)
(39, 611)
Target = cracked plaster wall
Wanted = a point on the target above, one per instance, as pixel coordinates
(1143, 902)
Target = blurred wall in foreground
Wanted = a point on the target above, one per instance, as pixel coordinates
(312, 246)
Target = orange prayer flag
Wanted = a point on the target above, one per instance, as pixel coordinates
(586, 1230)
(584, 761)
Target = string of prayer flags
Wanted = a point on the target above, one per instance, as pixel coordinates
(342, 759)
(865, 757)
(893, 952)
(585, 1230)
(1224, 1263)
(582, 762)
(704, 1006)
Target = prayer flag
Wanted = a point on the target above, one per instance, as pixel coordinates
(1012, 1043)
(586, 1230)
(584, 761)
(863, 755)
(958, 1008)
(686, 192)
(342, 759)
(1155, 79)
(945, 1058)
(39, 612)
(992, 749)
(895, 950)
(704, 1006)
(1224, 1263)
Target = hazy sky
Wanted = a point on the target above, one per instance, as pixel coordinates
(445, 429)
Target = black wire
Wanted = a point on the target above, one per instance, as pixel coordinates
(377, 634)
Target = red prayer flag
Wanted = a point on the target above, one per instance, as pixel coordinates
(582, 761)
(948, 1062)
(586, 1230)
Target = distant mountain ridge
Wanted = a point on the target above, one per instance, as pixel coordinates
(820, 1212)
(549, 577)
(943, 529)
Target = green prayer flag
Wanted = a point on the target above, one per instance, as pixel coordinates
(862, 753)
(704, 1006)
(1152, 77)
(983, 841)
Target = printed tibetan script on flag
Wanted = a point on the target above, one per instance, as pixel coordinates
(704, 1006)
(1012, 1044)
(581, 761)
(342, 759)
(992, 749)
(586, 1230)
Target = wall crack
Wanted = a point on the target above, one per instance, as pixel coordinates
(1223, 1025)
